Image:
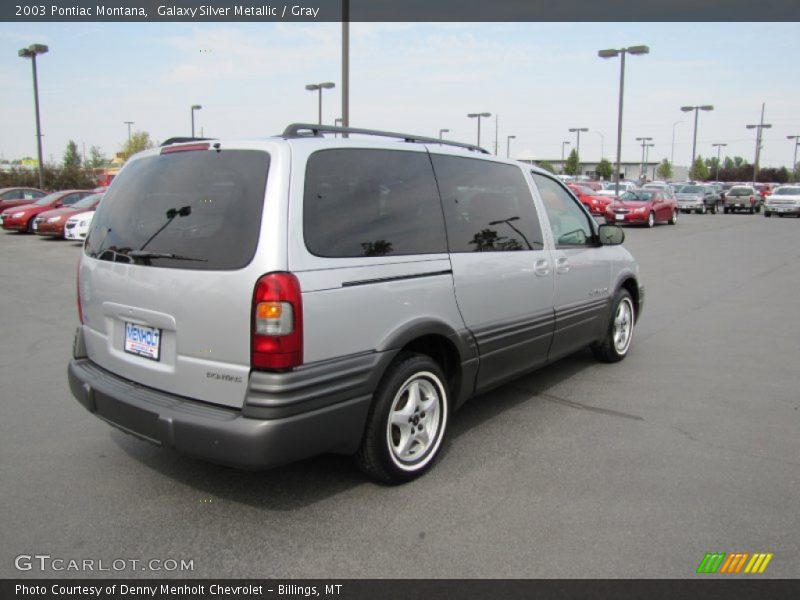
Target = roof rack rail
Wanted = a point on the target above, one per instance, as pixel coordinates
(295, 130)
(181, 140)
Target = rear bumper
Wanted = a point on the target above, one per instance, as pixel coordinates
(218, 434)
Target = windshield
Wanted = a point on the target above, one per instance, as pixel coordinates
(692, 189)
(637, 196)
(189, 210)
(787, 191)
(87, 202)
(48, 200)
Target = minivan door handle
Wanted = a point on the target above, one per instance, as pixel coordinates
(541, 267)
(562, 265)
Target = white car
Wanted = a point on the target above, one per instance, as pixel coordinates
(77, 226)
(785, 200)
(610, 188)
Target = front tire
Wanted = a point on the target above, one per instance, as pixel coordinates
(407, 421)
(617, 341)
(767, 214)
(651, 219)
(674, 219)
(702, 210)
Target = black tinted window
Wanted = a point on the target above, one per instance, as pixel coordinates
(488, 206)
(188, 210)
(371, 203)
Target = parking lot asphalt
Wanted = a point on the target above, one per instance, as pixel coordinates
(691, 445)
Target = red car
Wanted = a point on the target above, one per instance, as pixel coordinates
(594, 202)
(17, 196)
(20, 218)
(52, 222)
(643, 206)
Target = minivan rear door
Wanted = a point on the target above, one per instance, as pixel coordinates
(165, 283)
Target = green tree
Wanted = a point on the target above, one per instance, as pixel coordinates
(547, 166)
(738, 161)
(664, 170)
(96, 158)
(604, 169)
(571, 166)
(728, 164)
(140, 140)
(72, 160)
(699, 171)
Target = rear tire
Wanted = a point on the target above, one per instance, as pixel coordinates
(617, 341)
(767, 214)
(407, 421)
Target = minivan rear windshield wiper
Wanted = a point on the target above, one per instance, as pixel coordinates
(145, 254)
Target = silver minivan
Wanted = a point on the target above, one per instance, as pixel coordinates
(258, 302)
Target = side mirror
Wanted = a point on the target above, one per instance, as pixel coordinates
(610, 235)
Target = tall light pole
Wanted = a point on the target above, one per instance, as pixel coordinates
(644, 141)
(318, 87)
(602, 143)
(564, 143)
(337, 122)
(611, 53)
(796, 139)
(129, 123)
(508, 145)
(672, 152)
(31, 52)
(696, 110)
(442, 132)
(760, 127)
(577, 131)
(647, 158)
(719, 148)
(194, 108)
(345, 64)
(478, 116)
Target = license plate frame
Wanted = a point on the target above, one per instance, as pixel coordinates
(142, 340)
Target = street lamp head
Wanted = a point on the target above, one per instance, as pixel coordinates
(706, 107)
(574, 129)
(610, 53)
(311, 87)
(687, 108)
(643, 139)
(33, 50)
(327, 85)
(512, 137)
(196, 107)
(484, 114)
(639, 50)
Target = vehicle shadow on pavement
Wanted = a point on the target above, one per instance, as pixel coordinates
(309, 481)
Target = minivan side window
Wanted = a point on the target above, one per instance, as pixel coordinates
(488, 206)
(367, 202)
(568, 221)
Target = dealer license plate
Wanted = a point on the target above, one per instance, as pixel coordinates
(619, 217)
(143, 341)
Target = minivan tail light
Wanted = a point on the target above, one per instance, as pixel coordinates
(277, 323)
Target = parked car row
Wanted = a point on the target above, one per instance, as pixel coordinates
(55, 215)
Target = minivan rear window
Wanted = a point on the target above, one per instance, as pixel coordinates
(186, 210)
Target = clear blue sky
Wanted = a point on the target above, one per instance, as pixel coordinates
(540, 78)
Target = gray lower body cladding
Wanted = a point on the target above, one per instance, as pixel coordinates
(224, 435)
